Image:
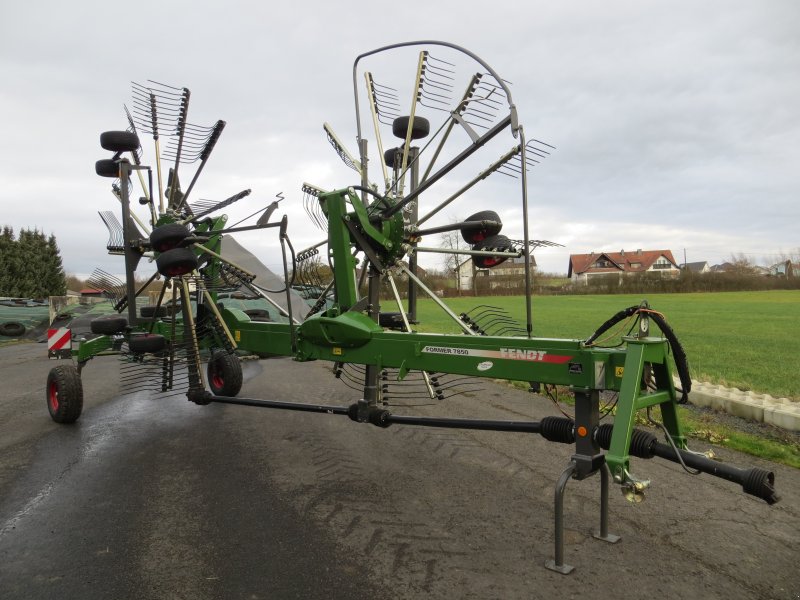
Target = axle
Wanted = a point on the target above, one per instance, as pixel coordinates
(754, 481)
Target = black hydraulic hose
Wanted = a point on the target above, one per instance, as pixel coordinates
(679, 354)
(381, 199)
(621, 315)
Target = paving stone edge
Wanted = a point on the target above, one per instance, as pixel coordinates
(781, 412)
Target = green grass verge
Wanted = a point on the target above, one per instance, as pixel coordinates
(785, 450)
(746, 340)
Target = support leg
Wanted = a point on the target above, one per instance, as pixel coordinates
(558, 564)
(603, 534)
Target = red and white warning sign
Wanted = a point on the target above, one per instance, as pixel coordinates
(59, 343)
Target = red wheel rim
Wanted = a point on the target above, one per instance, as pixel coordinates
(217, 381)
(52, 396)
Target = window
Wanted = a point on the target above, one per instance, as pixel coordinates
(662, 263)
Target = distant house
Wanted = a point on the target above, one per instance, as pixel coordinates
(465, 273)
(785, 268)
(582, 267)
(722, 268)
(91, 293)
(511, 267)
(510, 270)
(696, 267)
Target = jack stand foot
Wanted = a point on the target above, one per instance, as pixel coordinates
(609, 537)
(558, 565)
(563, 569)
(603, 533)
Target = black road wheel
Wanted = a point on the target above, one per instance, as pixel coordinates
(224, 374)
(119, 141)
(109, 325)
(499, 243)
(168, 236)
(12, 329)
(176, 262)
(473, 236)
(107, 168)
(420, 129)
(64, 394)
(146, 342)
(390, 155)
(258, 314)
(153, 311)
(391, 320)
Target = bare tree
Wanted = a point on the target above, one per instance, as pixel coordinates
(741, 265)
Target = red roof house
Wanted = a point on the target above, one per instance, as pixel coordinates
(584, 266)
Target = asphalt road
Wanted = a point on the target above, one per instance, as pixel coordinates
(148, 497)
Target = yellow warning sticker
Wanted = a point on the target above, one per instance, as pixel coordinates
(337, 351)
(237, 335)
(618, 371)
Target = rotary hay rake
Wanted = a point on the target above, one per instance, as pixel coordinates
(373, 236)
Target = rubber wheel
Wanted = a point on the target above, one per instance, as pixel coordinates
(176, 262)
(258, 314)
(168, 236)
(391, 320)
(64, 394)
(389, 156)
(224, 374)
(153, 311)
(109, 325)
(12, 329)
(419, 130)
(146, 342)
(106, 168)
(473, 236)
(119, 141)
(496, 242)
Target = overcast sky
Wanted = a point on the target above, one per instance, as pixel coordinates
(677, 124)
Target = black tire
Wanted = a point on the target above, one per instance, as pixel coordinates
(496, 242)
(109, 325)
(176, 262)
(168, 236)
(148, 312)
(258, 314)
(391, 320)
(419, 130)
(146, 343)
(224, 374)
(64, 394)
(389, 157)
(107, 168)
(119, 141)
(12, 329)
(473, 236)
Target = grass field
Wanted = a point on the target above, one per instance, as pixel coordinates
(747, 340)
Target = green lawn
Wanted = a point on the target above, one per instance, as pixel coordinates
(748, 340)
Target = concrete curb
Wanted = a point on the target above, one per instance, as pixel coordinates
(781, 412)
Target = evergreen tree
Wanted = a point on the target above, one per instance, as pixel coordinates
(7, 249)
(56, 279)
(30, 266)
